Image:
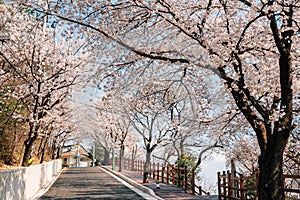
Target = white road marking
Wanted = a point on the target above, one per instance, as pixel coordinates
(136, 190)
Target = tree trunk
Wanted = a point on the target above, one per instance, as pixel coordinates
(39, 152)
(270, 178)
(29, 142)
(133, 155)
(106, 157)
(271, 181)
(147, 167)
(121, 154)
(43, 151)
(27, 151)
(58, 152)
(53, 149)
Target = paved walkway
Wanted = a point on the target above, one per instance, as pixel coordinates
(88, 183)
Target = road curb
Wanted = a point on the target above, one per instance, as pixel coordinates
(133, 183)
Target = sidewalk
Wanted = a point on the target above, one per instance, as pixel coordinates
(168, 192)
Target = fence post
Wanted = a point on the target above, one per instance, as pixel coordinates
(235, 184)
(162, 173)
(185, 178)
(158, 171)
(168, 173)
(193, 182)
(224, 184)
(173, 175)
(229, 184)
(140, 167)
(124, 163)
(242, 187)
(219, 185)
(178, 174)
(153, 171)
(132, 165)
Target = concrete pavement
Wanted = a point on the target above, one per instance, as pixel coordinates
(89, 183)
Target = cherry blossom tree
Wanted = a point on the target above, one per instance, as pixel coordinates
(192, 129)
(250, 45)
(61, 128)
(145, 114)
(110, 109)
(45, 69)
(90, 121)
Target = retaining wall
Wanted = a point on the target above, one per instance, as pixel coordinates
(24, 183)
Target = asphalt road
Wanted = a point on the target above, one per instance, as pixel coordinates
(88, 183)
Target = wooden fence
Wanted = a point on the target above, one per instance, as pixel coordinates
(239, 187)
(168, 174)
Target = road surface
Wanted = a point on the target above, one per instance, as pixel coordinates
(88, 183)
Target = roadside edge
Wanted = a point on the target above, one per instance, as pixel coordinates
(132, 182)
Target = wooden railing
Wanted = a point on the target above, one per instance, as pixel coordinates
(239, 187)
(168, 174)
(292, 186)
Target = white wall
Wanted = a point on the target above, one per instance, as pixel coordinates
(24, 183)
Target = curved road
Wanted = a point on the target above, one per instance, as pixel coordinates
(88, 183)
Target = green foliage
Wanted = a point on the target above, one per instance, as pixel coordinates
(11, 129)
(186, 160)
(249, 183)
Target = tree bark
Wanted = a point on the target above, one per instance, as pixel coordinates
(27, 151)
(106, 157)
(32, 137)
(133, 155)
(121, 154)
(58, 152)
(147, 166)
(271, 181)
(43, 150)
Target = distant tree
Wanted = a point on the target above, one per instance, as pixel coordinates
(146, 112)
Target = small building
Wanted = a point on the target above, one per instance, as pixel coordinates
(75, 156)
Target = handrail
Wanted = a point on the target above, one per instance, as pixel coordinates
(233, 186)
(169, 174)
